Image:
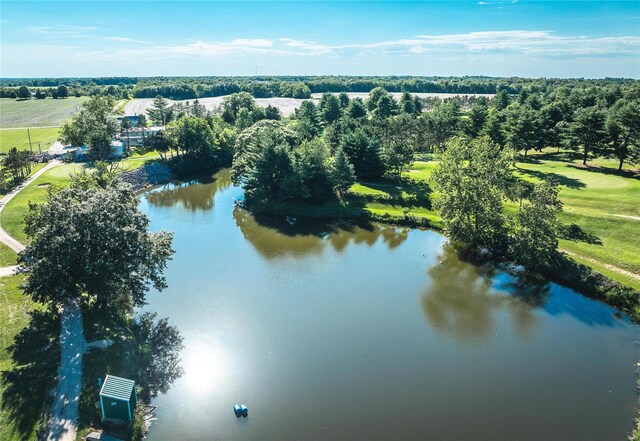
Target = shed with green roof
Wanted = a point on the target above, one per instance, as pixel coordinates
(118, 399)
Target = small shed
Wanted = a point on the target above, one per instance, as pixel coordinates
(118, 399)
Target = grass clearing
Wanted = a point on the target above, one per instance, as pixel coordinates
(18, 138)
(14, 316)
(38, 113)
(136, 160)
(36, 192)
(8, 257)
(601, 211)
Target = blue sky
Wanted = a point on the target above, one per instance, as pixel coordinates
(501, 38)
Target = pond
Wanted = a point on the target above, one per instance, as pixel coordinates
(330, 333)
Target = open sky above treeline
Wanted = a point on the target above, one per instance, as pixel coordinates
(497, 38)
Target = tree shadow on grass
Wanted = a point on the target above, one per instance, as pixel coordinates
(35, 355)
(575, 233)
(632, 174)
(417, 193)
(560, 179)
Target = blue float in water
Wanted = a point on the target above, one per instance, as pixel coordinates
(245, 410)
(237, 410)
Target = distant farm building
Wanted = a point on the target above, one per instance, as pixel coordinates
(118, 399)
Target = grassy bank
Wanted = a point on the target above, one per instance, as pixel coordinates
(38, 113)
(18, 138)
(601, 214)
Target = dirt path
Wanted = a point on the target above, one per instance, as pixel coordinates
(626, 216)
(8, 270)
(606, 265)
(64, 417)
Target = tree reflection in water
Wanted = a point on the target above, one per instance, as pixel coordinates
(463, 302)
(275, 236)
(191, 195)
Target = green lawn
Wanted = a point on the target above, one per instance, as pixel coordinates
(136, 161)
(419, 171)
(10, 138)
(14, 316)
(14, 211)
(596, 202)
(8, 257)
(38, 113)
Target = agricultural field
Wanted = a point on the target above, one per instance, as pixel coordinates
(397, 95)
(38, 113)
(286, 105)
(41, 138)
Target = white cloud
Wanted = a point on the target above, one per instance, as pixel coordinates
(516, 41)
(124, 40)
(64, 31)
(310, 46)
(237, 46)
(461, 46)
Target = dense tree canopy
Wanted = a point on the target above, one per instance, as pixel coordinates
(93, 126)
(93, 244)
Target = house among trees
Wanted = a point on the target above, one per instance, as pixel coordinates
(118, 399)
(81, 153)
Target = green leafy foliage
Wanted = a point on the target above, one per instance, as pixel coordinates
(93, 243)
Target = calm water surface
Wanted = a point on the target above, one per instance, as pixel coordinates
(367, 334)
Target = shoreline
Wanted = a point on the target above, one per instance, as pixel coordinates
(565, 271)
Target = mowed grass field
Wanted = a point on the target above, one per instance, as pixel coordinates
(601, 213)
(19, 138)
(38, 113)
(8, 257)
(14, 316)
(12, 215)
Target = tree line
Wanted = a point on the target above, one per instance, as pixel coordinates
(294, 86)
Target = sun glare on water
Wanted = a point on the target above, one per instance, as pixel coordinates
(205, 364)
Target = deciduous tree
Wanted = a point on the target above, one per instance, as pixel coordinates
(93, 245)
